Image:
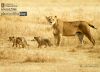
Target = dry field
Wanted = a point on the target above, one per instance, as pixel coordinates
(65, 58)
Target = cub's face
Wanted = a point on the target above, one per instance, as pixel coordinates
(11, 38)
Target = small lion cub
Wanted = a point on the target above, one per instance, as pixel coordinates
(42, 42)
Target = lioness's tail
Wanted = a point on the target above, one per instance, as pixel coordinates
(92, 26)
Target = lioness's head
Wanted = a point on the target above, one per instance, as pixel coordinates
(51, 19)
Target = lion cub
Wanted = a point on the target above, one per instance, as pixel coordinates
(18, 41)
(42, 42)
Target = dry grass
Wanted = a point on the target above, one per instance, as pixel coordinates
(24, 56)
(40, 59)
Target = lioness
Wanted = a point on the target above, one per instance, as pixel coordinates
(18, 41)
(72, 28)
(42, 42)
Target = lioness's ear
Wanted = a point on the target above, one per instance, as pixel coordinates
(46, 17)
(55, 16)
(12, 36)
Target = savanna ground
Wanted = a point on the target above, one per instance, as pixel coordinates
(65, 58)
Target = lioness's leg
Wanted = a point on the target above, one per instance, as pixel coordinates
(87, 33)
(56, 34)
(39, 45)
(80, 36)
(57, 39)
